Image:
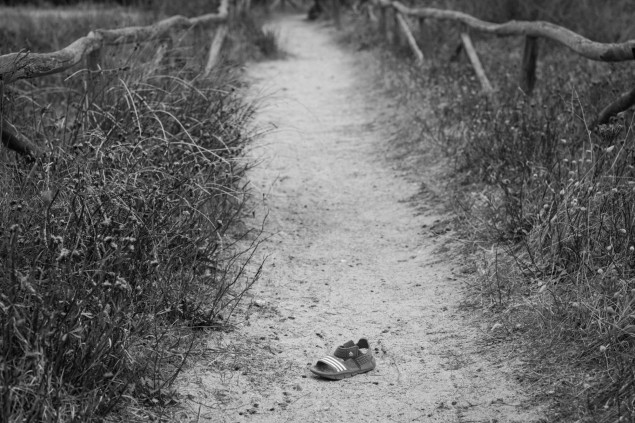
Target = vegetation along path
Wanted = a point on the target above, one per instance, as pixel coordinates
(349, 256)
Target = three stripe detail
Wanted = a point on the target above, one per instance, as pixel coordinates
(332, 361)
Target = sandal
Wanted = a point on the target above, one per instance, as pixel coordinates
(346, 361)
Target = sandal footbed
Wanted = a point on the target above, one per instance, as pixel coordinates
(323, 369)
(339, 375)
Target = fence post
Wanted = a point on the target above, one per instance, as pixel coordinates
(383, 27)
(371, 15)
(387, 34)
(92, 75)
(294, 5)
(410, 38)
(271, 7)
(214, 50)
(92, 66)
(424, 37)
(92, 59)
(528, 69)
(476, 64)
(396, 33)
(390, 23)
(335, 4)
(239, 8)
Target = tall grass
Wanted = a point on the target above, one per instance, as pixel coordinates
(553, 196)
(121, 243)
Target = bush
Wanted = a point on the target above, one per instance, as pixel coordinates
(534, 177)
(565, 195)
(120, 243)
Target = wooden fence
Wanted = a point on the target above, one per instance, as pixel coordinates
(23, 65)
(392, 19)
(26, 65)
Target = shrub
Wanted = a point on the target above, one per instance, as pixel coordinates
(535, 178)
(121, 242)
(564, 195)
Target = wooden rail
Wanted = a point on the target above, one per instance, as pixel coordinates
(606, 52)
(25, 65)
(531, 30)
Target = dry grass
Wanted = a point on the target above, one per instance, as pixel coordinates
(547, 202)
(122, 243)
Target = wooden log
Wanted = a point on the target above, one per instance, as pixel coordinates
(215, 48)
(606, 52)
(136, 34)
(624, 102)
(23, 65)
(528, 67)
(425, 38)
(410, 38)
(15, 66)
(476, 64)
(14, 140)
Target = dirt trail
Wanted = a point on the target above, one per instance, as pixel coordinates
(349, 257)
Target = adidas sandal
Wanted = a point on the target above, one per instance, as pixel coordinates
(347, 360)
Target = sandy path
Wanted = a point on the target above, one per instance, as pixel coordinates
(348, 257)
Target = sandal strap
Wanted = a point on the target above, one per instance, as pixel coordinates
(347, 351)
(350, 350)
(335, 363)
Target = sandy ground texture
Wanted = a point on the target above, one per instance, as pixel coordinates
(349, 256)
